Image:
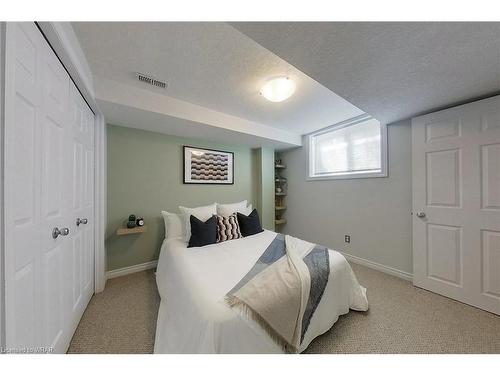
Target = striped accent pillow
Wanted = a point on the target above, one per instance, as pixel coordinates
(228, 228)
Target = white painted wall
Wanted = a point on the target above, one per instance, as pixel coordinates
(375, 212)
(2, 89)
(63, 40)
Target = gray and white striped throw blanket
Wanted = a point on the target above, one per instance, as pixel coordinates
(283, 289)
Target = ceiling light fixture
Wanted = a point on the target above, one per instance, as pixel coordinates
(278, 89)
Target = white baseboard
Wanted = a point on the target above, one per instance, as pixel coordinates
(364, 262)
(132, 269)
(379, 267)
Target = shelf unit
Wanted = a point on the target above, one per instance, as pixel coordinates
(280, 221)
(279, 191)
(124, 230)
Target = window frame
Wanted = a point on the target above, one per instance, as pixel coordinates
(347, 175)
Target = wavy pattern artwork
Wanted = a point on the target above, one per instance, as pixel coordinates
(209, 166)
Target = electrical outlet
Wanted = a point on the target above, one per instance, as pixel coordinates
(347, 238)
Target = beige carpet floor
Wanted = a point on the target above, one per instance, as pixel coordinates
(401, 319)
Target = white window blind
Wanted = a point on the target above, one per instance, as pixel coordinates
(348, 150)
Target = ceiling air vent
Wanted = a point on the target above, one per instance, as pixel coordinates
(151, 81)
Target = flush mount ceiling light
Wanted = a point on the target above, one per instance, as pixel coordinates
(278, 89)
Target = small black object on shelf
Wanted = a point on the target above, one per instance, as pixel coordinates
(131, 223)
(140, 221)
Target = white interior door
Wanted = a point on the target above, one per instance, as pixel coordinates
(23, 97)
(456, 203)
(82, 203)
(55, 197)
(48, 184)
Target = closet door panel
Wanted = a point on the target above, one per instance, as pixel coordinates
(89, 231)
(82, 185)
(76, 260)
(88, 202)
(24, 198)
(55, 197)
(49, 174)
(22, 172)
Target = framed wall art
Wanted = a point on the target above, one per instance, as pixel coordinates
(205, 166)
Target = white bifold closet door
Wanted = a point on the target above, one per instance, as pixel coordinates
(456, 203)
(48, 184)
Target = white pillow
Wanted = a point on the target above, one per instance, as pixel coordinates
(231, 208)
(174, 225)
(247, 211)
(203, 213)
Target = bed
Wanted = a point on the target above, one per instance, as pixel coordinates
(194, 318)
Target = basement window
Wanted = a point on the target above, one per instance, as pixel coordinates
(356, 148)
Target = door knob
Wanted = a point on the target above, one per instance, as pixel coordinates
(421, 214)
(56, 232)
(81, 221)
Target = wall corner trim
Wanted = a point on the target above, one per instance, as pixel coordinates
(100, 204)
(379, 267)
(131, 269)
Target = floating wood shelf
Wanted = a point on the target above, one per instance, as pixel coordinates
(124, 230)
(279, 166)
(280, 221)
(280, 194)
(280, 208)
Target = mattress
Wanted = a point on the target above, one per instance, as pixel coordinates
(192, 282)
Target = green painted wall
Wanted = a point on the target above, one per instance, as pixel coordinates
(264, 187)
(145, 177)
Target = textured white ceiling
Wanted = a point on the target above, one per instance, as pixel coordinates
(391, 70)
(212, 65)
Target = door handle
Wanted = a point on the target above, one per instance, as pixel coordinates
(81, 221)
(421, 214)
(56, 232)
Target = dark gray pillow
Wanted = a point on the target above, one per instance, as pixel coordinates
(202, 233)
(250, 224)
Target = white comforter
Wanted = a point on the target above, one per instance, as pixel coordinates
(193, 317)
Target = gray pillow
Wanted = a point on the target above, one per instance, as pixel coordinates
(250, 224)
(202, 233)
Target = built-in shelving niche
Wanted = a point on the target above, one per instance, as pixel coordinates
(280, 192)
